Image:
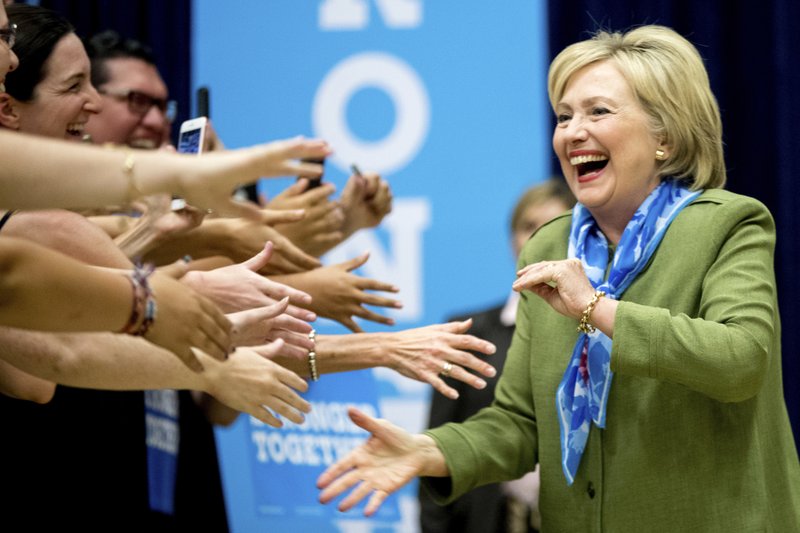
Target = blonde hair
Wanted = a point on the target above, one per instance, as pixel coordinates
(667, 76)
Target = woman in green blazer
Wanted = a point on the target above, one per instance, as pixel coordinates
(645, 371)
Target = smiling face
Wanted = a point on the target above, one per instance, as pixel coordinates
(118, 123)
(605, 145)
(65, 98)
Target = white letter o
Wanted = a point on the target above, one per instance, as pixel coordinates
(412, 112)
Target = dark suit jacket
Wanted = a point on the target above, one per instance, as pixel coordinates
(482, 510)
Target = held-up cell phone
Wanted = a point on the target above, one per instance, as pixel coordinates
(315, 181)
(190, 141)
(191, 136)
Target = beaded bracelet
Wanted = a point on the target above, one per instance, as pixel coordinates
(312, 357)
(137, 307)
(144, 305)
(149, 317)
(584, 326)
(142, 273)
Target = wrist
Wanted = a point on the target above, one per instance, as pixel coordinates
(604, 315)
(433, 463)
(354, 351)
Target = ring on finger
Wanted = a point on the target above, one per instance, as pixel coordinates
(446, 369)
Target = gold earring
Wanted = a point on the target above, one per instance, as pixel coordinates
(660, 155)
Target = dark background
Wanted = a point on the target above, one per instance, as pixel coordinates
(749, 48)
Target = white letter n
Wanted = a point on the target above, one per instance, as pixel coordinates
(354, 14)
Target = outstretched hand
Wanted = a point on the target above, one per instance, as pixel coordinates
(389, 459)
(214, 176)
(366, 200)
(238, 287)
(321, 229)
(184, 320)
(339, 294)
(423, 354)
(250, 383)
(264, 324)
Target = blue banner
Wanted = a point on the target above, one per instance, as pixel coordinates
(446, 99)
(286, 461)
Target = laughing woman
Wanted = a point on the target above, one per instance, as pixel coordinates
(665, 410)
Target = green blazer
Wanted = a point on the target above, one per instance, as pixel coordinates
(697, 435)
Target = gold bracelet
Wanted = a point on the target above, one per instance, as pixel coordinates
(127, 168)
(312, 357)
(584, 326)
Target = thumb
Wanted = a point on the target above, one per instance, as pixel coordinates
(260, 260)
(455, 327)
(176, 270)
(297, 188)
(365, 422)
(242, 319)
(356, 262)
(353, 190)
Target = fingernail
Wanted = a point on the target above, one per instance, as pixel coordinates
(480, 384)
(454, 396)
(398, 305)
(492, 372)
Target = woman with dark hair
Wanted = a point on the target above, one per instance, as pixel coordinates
(50, 93)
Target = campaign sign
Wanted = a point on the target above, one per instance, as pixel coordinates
(297, 454)
(445, 99)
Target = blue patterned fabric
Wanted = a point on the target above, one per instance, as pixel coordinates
(583, 392)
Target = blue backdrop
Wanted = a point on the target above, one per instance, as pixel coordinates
(748, 50)
(448, 101)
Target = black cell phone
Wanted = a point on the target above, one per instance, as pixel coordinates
(316, 181)
(203, 106)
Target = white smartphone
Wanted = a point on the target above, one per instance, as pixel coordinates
(191, 136)
(190, 141)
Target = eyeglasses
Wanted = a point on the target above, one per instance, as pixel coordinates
(140, 103)
(9, 35)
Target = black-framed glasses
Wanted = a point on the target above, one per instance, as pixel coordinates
(9, 35)
(141, 103)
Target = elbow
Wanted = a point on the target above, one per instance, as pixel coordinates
(42, 394)
(745, 374)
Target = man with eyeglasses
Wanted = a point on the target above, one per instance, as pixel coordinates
(136, 109)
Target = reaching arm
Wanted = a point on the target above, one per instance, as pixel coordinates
(239, 239)
(418, 354)
(246, 381)
(39, 289)
(41, 172)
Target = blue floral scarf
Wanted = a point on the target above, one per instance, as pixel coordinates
(583, 392)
